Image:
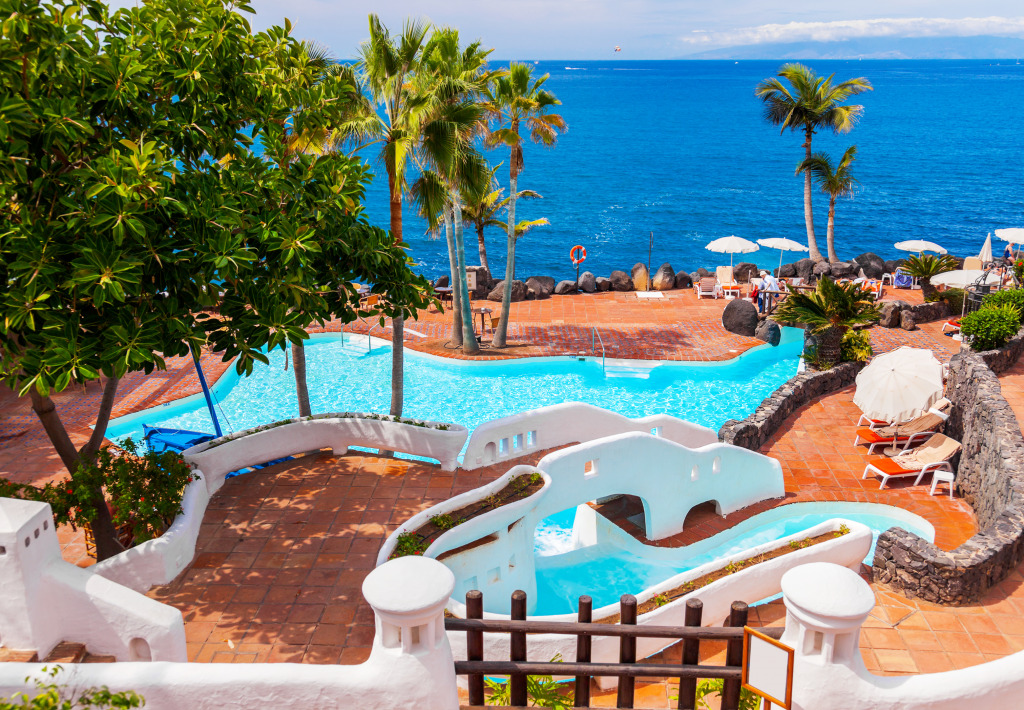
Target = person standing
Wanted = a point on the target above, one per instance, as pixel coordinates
(768, 283)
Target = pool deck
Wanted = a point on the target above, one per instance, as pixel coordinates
(283, 551)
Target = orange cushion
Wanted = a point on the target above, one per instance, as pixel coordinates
(890, 467)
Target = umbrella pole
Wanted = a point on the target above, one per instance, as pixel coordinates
(781, 252)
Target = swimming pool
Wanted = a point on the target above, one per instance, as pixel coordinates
(344, 376)
(606, 571)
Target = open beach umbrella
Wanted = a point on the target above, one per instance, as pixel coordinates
(783, 245)
(899, 386)
(1014, 235)
(962, 278)
(920, 246)
(986, 250)
(732, 245)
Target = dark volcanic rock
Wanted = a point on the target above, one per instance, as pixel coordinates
(844, 269)
(683, 280)
(787, 271)
(587, 282)
(540, 286)
(640, 276)
(804, 269)
(908, 321)
(702, 272)
(872, 264)
(892, 264)
(664, 278)
(891, 310)
(740, 317)
(518, 292)
(604, 283)
(621, 281)
(744, 271)
(822, 268)
(768, 331)
(565, 287)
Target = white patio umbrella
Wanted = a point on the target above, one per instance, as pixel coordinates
(1014, 235)
(919, 245)
(962, 278)
(986, 250)
(899, 386)
(732, 245)
(783, 245)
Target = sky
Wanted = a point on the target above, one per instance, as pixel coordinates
(644, 29)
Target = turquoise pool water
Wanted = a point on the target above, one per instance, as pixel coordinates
(343, 376)
(606, 571)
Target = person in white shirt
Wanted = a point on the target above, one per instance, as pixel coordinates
(768, 283)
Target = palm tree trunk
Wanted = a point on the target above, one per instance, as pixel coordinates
(481, 246)
(812, 242)
(830, 234)
(398, 323)
(469, 344)
(299, 369)
(500, 336)
(453, 262)
(830, 346)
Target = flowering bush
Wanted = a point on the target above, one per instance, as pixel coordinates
(144, 491)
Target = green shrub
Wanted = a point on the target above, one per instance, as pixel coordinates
(1010, 297)
(543, 691)
(990, 327)
(409, 543)
(953, 296)
(51, 696)
(856, 346)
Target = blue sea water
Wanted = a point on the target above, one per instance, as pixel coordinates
(679, 148)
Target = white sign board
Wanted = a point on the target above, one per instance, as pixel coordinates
(767, 668)
(470, 280)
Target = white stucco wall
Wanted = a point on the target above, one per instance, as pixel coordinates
(567, 423)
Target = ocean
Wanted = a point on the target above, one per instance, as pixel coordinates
(679, 148)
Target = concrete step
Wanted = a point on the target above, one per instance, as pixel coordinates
(8, 655)
(66, 652)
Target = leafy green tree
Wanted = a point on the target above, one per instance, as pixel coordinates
(518, 101)
(828, 312)
(480, 208)
(835, 180)
(810, 103)
(924, 266)
(131, 204)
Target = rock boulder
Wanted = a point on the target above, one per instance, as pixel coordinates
(892, 264)
(843, 269)
(565, 287)
(540, 286)
(518, 292)
(744, 271)
(604, 283)
(587, 282)
(664, 278)
(740, 317)
(872, 264)
(908, 321)
(822, 268)
(804, 269)
(621, 281)
(683, 280)
(891, 310)
(787, 271)
(768, 331)
(640, 276)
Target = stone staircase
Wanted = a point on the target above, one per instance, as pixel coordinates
(64, 652)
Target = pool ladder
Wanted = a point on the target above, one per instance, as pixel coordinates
(595, 338)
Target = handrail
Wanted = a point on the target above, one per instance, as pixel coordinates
(593, 344)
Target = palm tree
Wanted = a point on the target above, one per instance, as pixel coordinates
(481, 206)
(924, 266)
(517, 99)
(828, 311)
(810, 103)
(835, 181)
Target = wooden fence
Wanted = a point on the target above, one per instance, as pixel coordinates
(627, 670)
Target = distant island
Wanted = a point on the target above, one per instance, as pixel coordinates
(982, 47)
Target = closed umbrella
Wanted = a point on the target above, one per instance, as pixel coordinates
(783, 245)
(986, 250)
(899, 386)
(732, 245)
(920, 246)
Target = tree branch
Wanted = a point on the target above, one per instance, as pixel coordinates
(88, 452)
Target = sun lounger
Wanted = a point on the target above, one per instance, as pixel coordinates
(727, 281)
(933, 455)
(940, 407)
(707, 286)
(972, 263)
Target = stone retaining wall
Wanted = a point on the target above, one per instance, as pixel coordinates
(990, 477)
(752, 432)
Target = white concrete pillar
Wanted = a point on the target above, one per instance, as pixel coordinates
(408, 596)
(826, 604)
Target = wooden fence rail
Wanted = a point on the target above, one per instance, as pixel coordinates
(627, 670)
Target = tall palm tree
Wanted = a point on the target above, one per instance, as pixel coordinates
(388, 65)
(810, 103)
(835, 181)
(518, 100)
(481, 206)
(828, 311)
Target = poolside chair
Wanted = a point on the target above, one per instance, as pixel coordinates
(941, 408)
(706, 286)
(903, 279)
(972, 263)
(905, 435)
(933, 455)
(727, 281)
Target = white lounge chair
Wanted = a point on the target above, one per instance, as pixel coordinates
(727, 281)
(706, 286)
(933, 455)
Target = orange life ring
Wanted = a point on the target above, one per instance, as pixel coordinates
(583, 254)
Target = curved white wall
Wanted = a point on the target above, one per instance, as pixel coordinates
(568, 423)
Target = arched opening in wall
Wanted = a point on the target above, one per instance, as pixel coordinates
(626, 511)
(138, 650)
(708, 511)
